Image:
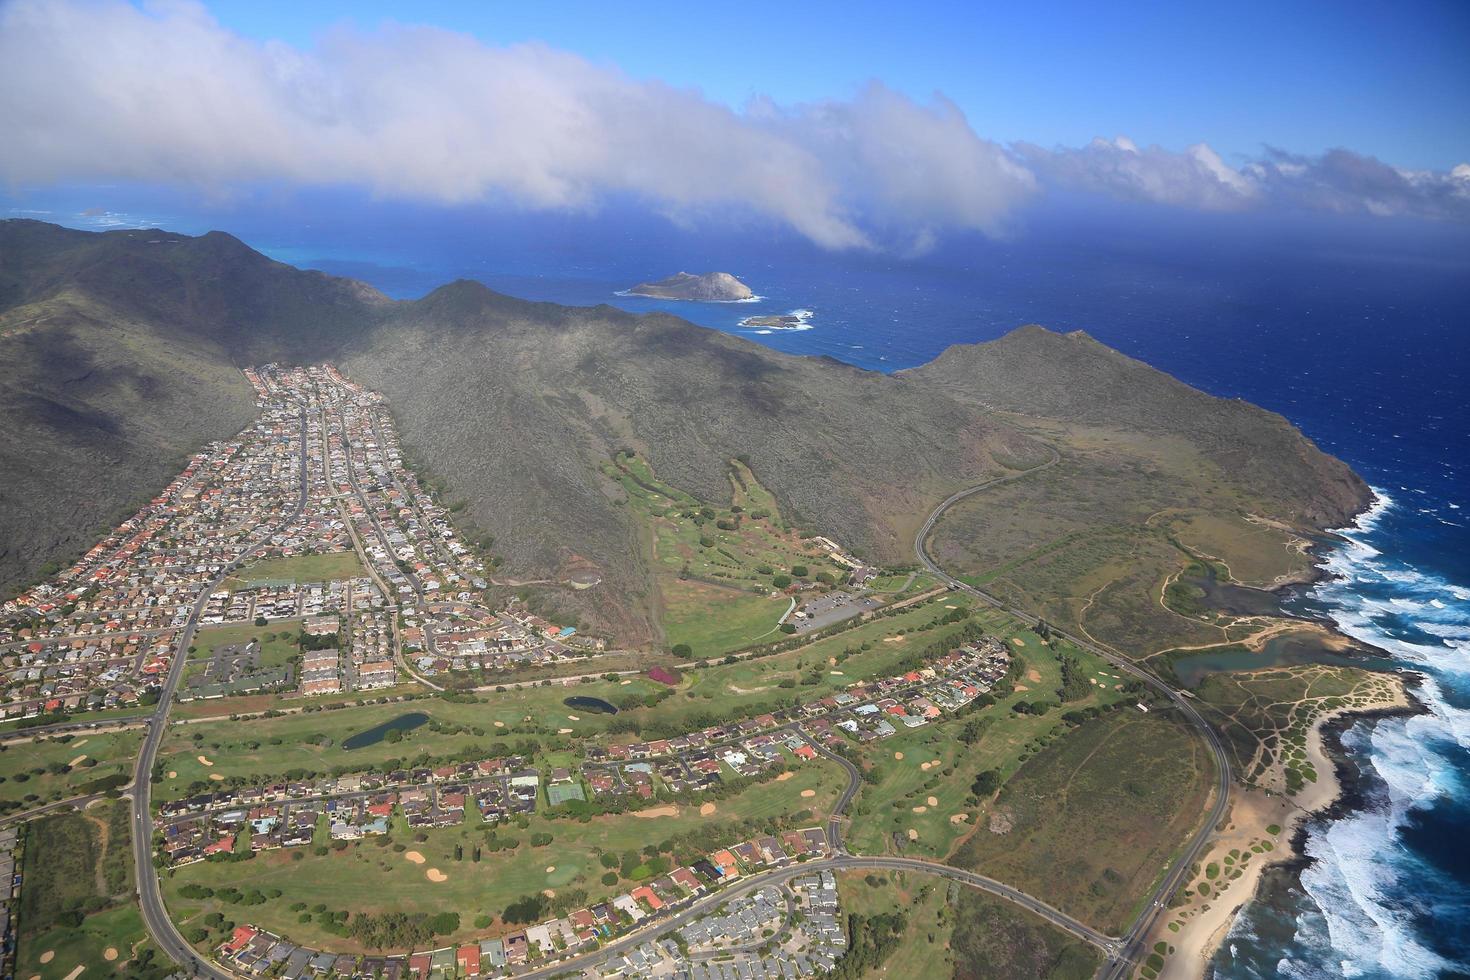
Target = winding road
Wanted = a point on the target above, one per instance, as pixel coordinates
(1131, 950)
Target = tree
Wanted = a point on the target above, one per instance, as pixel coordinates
(683, 650)
(781, 581)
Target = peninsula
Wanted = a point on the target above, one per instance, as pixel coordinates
(709, 287)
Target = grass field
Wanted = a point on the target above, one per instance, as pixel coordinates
(77, 903)
(896, 798)
(277, 645)
(368, 877)
(59, 766)
(997, 940)
(302, 568)
(1091, 541)
(1090, 822)
(277, 641)
(714, 619)
(925, 899)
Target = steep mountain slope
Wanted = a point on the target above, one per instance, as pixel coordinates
(518, 403)
(119, 354)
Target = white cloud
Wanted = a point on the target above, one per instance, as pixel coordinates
(105, 90)
(1196, 178)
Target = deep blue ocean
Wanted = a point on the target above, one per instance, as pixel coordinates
(1356, 329)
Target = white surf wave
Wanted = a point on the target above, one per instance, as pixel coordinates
(1368, 888)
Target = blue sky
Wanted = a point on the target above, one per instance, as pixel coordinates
(856, 126)
(1391, 80)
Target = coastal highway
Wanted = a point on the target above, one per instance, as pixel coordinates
(150, 897)
(1130, 951)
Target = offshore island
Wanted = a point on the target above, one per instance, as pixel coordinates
(708, 287)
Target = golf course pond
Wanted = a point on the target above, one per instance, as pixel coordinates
(374, 735)
(595, 705)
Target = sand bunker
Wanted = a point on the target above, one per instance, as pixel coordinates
(173, 774)
(548, 893)
(921, 809)
(110, 953)
(836, 673)
(1022, 687)
(573, 718)
(48, 956)
(624, 683)
(808, 792)
(550, 868)
(959, 818)
(564, 731)
(216, 777)
(913, 834)
(76, 971)
(932, 801)
(706, 809)
(1018, 641)
(898, 756)
(204, 761)
(668, 810)
(926, 766)
(413, 856)
(893, 639)
(785, 776)
(500, 724)
(77, 761)
(80, 742)
(435, 875)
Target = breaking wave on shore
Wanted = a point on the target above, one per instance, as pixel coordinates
(1383, 893)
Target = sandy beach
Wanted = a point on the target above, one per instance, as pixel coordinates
(1246, 844)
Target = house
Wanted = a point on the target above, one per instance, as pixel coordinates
(467, 960)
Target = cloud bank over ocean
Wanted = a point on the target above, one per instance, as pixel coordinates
(101, 90)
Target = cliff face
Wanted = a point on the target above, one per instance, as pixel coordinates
(119, 355)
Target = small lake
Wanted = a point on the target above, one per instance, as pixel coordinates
(374, 735)
(1281, 651)
(595, 705)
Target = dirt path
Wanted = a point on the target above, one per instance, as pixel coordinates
(104, 838)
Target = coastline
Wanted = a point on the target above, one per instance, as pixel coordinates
(1204, 922)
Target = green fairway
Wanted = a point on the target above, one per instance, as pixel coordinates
(895, 798)
(716, 565)
(59, 766)
(367, 876)
(310, 742)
